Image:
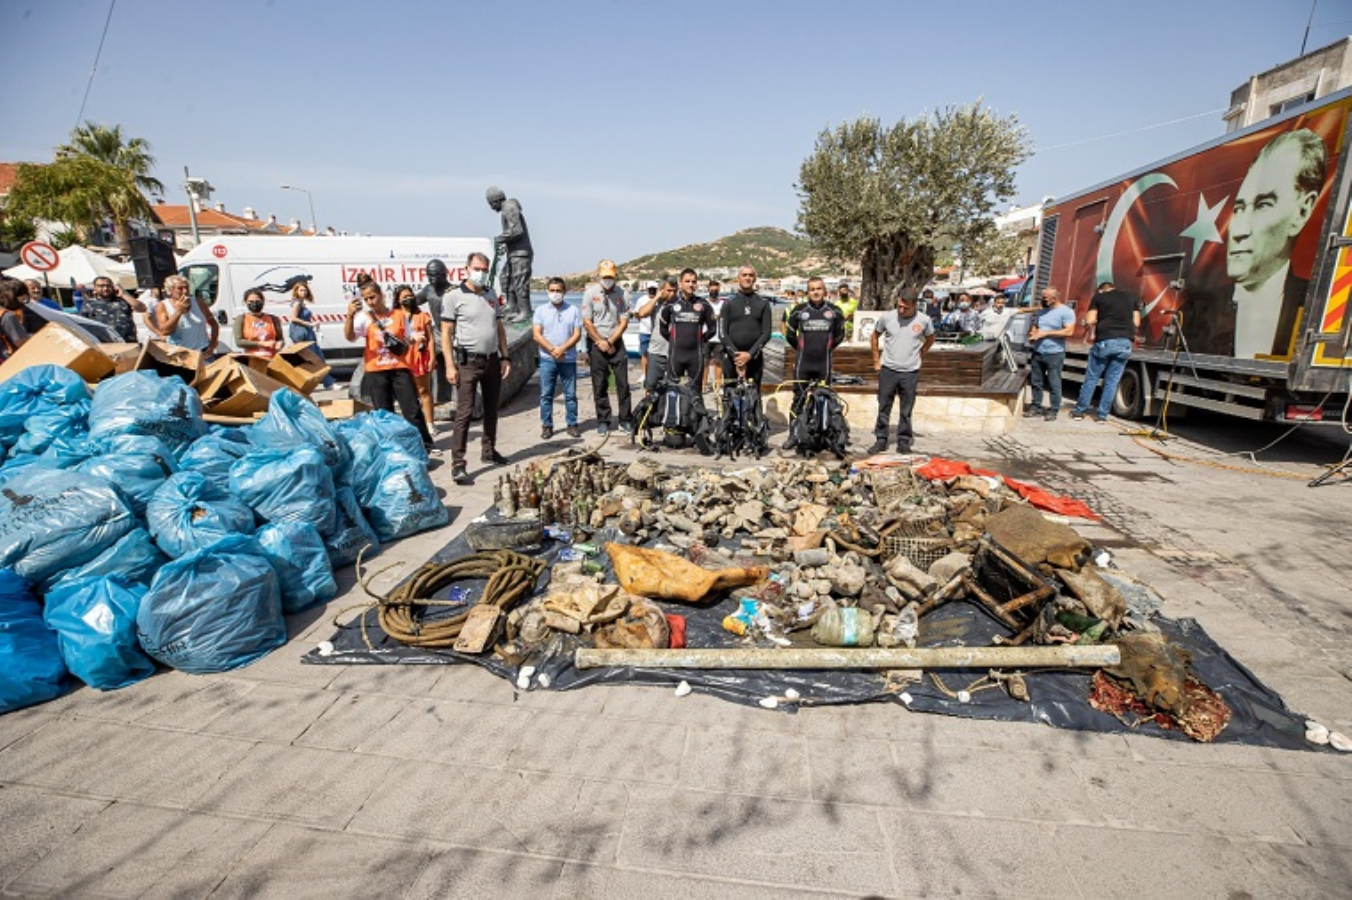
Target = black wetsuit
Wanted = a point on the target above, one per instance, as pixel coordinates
(746, 325)
(687, 323)
(813, 332)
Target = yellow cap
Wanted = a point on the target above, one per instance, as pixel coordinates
(606, 269)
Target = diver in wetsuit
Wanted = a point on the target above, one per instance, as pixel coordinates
(813, 330)
(688, 323)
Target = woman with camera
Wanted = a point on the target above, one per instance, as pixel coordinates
(387, 334)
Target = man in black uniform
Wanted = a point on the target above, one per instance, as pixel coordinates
(687, 323)
(746, 327)
(431, 298)
(515, 244)
(814, 329)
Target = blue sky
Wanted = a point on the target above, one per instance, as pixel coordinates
(623, 128)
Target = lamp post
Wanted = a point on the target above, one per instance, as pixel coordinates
(198, 189)
(314, 223)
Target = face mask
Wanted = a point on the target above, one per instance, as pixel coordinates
(607, 283)
(255, 306)
(964, 306)
(713, 295)
(408, 303)
(479, 278)
(555, 297)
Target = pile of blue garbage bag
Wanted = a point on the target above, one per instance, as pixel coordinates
(134, 533)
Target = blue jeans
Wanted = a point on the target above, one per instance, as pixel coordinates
(1044, 370)
(551, 373)
(1107, 359)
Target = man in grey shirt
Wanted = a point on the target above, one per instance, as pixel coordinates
(605, 316)
(898, 341)
(475, 347)
(658, 346)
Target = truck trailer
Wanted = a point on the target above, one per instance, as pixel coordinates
(1240, 251)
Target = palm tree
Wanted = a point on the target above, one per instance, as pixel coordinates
(76, 190)
(132, 158)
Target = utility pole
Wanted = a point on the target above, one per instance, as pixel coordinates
(198, 189)
(314, 223)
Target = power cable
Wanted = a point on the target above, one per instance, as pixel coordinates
(1104, 137)
(97, 56)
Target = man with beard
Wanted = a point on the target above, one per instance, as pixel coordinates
(515, 243)
(112, 306)
(687, 323)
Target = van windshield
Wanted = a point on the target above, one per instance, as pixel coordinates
(203, 281)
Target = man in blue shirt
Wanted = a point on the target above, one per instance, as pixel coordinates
(557, 329)
(1047, 353)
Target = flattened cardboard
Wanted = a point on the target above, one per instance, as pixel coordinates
(342, 408)
(298, 366)
(59, 346)
(170, 359)
(124, 356)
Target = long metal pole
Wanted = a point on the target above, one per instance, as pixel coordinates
(192, 206)
(1060, 656)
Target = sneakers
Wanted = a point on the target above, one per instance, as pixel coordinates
(1077, 414)
(459, 474)
(626, 428)
(1099, 420)
(494, 458)
(433, 452)
(602, 430)
(547, 432)
(1050, 416)
(574, 431)
(1032, 412)
(878, 447)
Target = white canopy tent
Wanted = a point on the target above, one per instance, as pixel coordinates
(83, 266)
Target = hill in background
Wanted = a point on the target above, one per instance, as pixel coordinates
(773, 251)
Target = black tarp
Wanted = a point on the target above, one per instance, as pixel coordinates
(1057, 697)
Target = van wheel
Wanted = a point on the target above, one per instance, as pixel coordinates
(1130, 400)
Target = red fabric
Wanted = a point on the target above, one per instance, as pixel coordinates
(676, 624)
(939, 469)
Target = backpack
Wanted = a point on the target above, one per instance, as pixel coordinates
(742, 427)
(679, 411)
(821, 425)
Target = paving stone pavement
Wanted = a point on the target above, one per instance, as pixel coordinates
(291, 780)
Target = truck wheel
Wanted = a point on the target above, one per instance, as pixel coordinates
(1130, 400)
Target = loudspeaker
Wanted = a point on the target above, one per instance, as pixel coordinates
(154, 261)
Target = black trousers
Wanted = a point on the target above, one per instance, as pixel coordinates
(686, 365)
(602, 366)
(385, 386)
(484, 373)
(896, 385)
(755, 369)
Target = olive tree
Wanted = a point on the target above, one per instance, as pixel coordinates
(890, 196)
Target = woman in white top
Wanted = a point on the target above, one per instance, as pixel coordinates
(182, 319)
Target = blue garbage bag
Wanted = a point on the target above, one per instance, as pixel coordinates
(214, 454)
(64, 423)
(286, 485)
(351, 532)
(297, 552)
(31, 670)
(95, 622)
(35, 391)
(16, 464)
(52, 520)
(136, 463)
(292, 421)
(68, 451)
(388, 428)
(134, 558)
(402, 500)
(144, 403)
(188, 512)
(215, 609)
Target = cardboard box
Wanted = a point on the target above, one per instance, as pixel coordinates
(231, 388)
(170, 359)
(124, 356)
(57, 345)
(299, 367)
(342, 408)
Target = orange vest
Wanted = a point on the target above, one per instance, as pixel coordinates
(263, 328)
(376, 357)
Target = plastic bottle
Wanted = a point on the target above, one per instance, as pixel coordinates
(844, 627)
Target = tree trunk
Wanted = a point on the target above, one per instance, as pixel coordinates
(890, 262)
(122, 228)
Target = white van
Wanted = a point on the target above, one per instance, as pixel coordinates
(220, 270)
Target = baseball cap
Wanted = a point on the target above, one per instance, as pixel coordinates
(650, 286)
(606, 269)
